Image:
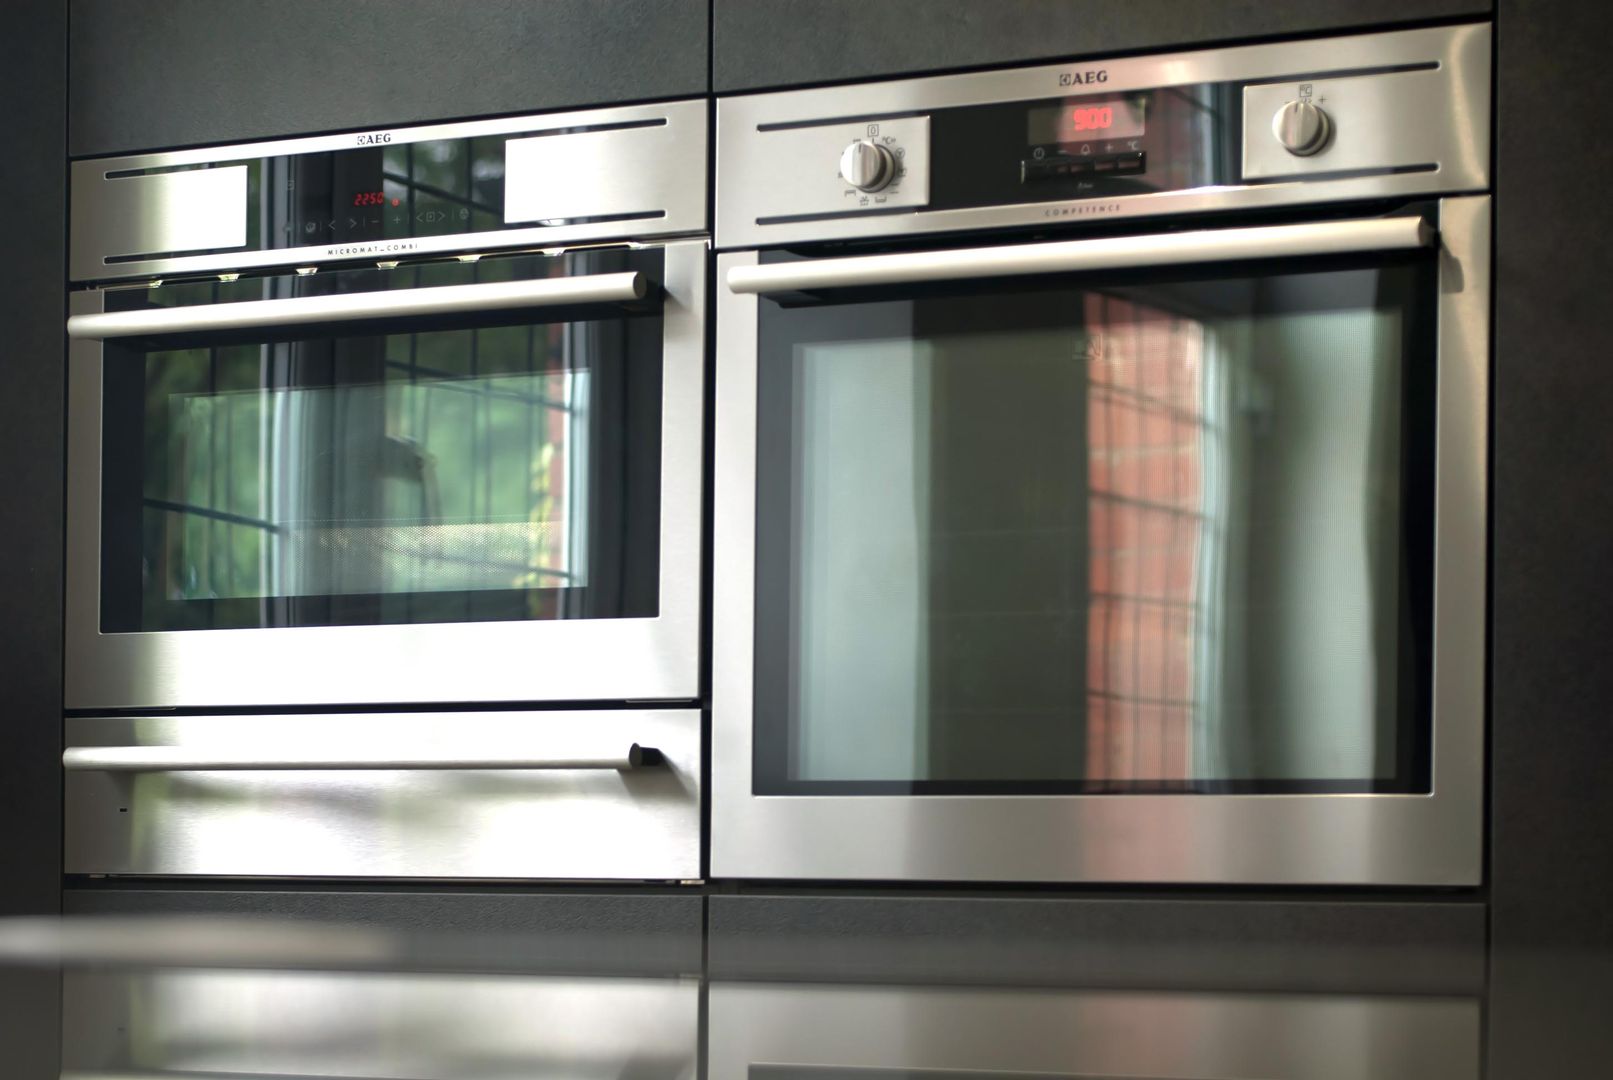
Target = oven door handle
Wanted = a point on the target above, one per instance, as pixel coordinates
(198, 759)
(351, 307)
(1108, 253)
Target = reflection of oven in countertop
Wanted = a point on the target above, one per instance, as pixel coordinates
(384, 503)
(151, 998)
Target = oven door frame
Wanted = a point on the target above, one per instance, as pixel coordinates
(1433, 838)
(633, 659)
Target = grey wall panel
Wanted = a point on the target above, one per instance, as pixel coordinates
(644, 931)
(30, 1023)
(1300, 945)
(1552, 682)
(149, 75)
(768, 43)
(33, 355)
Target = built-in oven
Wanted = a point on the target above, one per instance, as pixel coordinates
(1101, 470)
(410, 421)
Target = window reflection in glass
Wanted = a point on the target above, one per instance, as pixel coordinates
(1147, 538)
(486, 467)
(424, 485)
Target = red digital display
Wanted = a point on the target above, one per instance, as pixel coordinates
(1092, 118)
(369, 198)
(1074, 123)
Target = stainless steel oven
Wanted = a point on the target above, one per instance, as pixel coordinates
(402, 420)
(1101, 460)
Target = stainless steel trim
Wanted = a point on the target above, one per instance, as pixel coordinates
(650, 659)
(520, 794)
(1433, 839)
(250, 759)
(556, 176)
(188, 211)
(254, 1024)
(1354, 134)
(1109, 253)
(796, 176)
(980, 1032)
(1454, 117)
(666, 200)
(347, 307)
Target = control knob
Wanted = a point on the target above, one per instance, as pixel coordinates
(868, 165)
(1301, 127)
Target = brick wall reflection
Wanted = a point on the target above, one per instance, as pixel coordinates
(1146, 430)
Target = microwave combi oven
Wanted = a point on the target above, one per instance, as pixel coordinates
(385, 484)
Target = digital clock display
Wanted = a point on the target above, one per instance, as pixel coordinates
(1082, 120)
(369, 198)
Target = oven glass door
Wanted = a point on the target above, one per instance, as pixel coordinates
(481, 461)
(1165, 531)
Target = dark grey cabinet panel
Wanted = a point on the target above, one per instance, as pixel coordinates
(1552, 682)
(1296, 945)
(767, 43)
(30, 1023)
(33, 84)
(148, 75)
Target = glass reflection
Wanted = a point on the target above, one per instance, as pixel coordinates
(1147, 538)
(449, 470)
(402, 486)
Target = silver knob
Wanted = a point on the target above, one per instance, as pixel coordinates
(867, 165)
(1301, 127)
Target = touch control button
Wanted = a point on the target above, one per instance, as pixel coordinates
(867, 165)
(1301, 127)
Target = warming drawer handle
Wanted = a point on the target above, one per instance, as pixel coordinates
(349, 307)
(1108, 253)
(202, 759)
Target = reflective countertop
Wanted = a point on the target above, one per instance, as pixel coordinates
(196, 998)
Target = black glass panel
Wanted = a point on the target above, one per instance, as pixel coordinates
(1086, 146)
(1139, 532)
(490, 467)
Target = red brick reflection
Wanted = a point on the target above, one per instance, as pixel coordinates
(1145, 434)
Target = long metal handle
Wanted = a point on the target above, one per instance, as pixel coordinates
(348, 307)
(199, 759)
(1109, 253)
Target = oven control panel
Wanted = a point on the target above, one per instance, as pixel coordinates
(379, 195)
(1086, 139)
(1375, 116)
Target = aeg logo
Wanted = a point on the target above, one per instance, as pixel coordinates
(375, 138)
(1082, 78)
